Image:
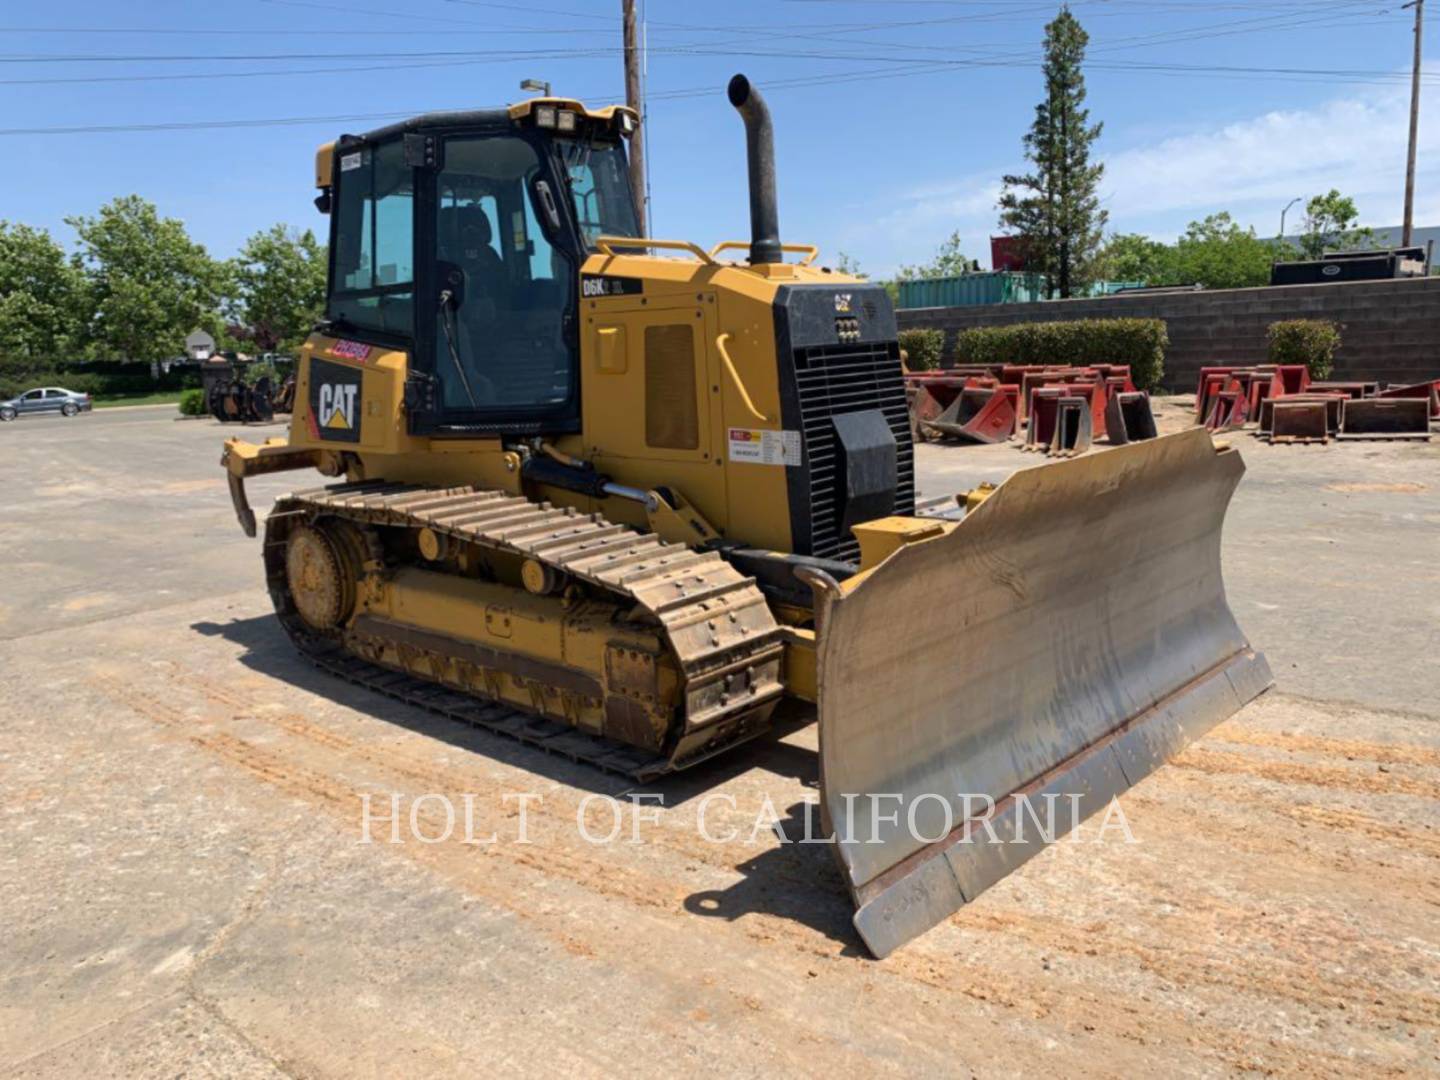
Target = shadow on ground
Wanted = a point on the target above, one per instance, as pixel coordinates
(796, 880)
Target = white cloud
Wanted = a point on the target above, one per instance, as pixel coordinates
(1251, 168)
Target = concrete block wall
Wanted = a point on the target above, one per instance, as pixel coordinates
(1391, 329)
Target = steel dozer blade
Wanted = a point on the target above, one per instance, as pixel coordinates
(1063, 640)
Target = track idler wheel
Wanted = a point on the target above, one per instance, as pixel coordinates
(321, 571)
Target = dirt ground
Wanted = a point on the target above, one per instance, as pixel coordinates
(186, 889)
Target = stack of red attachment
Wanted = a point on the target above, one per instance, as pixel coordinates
(1287, 406)
(994, 403)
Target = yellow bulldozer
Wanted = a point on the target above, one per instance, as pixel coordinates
(637, 502)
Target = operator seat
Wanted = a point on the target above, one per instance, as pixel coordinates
(484, 269)
(464, 239)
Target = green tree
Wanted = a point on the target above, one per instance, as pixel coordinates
(1330, 225)
(1055, 205)
(949, 261)
(149, 283)
(1136, 257)
(1219, 254)
(279, 287)
(41, 295)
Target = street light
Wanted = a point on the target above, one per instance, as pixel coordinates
(537, 85)
(1280, 240)
(1291, 203)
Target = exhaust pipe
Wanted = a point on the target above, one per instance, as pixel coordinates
(760, 156)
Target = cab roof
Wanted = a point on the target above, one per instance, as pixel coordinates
(471, 120)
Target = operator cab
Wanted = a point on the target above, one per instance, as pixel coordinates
(459, 237)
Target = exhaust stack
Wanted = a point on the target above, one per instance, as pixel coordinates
(760, 157)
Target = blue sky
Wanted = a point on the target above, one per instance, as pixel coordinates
(894, 118)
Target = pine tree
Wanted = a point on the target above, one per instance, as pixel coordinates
(1055, 206)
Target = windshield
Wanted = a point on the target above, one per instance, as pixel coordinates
(600, 189)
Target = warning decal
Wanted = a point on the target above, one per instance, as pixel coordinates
(350, 350)
(756, 447)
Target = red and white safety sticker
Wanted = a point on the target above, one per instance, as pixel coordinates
(754, 446)
(350, 350)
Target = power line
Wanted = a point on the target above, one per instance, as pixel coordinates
(211, 58)
(191, 75)
(1163, 37)
(778, 85)
(196, 125)
(530, 10)
(277, 31)
(408, 16)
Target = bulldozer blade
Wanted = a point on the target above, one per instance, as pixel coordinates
(1002, 663)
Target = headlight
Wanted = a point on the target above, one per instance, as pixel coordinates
(545, 116)
(567, 120)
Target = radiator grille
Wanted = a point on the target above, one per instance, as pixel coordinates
(832, 380)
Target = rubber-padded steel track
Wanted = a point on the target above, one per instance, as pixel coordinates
(718, 624)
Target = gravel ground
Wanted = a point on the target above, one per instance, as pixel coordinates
(186, 890)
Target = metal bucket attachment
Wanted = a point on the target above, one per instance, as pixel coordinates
(1128, 418)
(1355, 389)
(984, 415)
(1332, 403)
(1041, 430)
(1294, 378)
(1228, 409)
(1386, 418)
(1212, 381)
(1429, 391)
(1073, 428)
(1299, 422)
(1000, 660)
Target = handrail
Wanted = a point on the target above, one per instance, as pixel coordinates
(810, 251)
(604, 244)
(735, 378)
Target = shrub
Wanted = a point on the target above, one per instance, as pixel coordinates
(922, 347)
(1140, 343)
(1311, 342)
(192, 403)
(102, 378)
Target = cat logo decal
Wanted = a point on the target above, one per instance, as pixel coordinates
(334, 401)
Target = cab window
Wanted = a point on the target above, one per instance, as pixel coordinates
(373, 278)
(600, 189)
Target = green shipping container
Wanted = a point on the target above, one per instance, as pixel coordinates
(968, 289)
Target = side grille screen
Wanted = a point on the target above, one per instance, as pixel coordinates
(834, 380)
(671, 418)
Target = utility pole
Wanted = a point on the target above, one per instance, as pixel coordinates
(1406, 231)
(635, 98)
